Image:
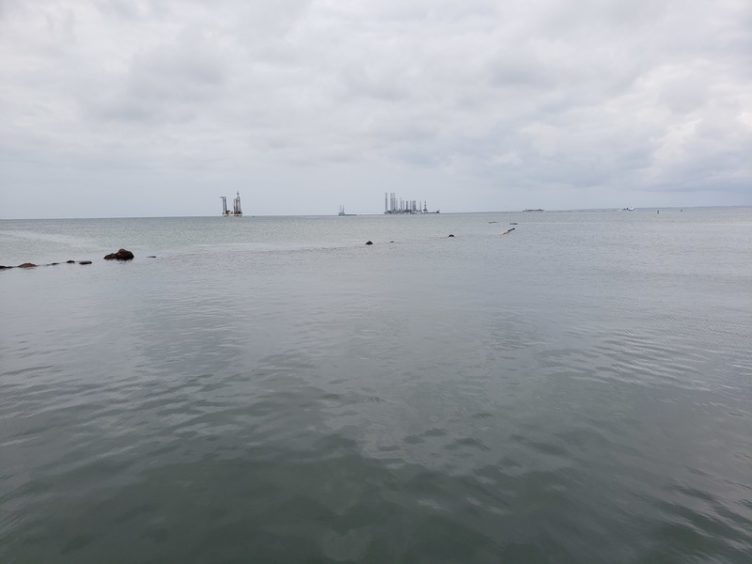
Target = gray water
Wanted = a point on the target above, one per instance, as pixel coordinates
(273, 390)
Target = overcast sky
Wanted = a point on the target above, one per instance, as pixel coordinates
(157, 107)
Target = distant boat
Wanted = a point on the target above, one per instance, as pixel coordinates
(627, 209)
(343, 214)
(535, 210)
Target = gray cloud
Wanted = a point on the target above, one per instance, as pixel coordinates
(547, 103)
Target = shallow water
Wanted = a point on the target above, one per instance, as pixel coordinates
(271, 389)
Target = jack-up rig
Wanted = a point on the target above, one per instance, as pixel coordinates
(395, 205)
(236, 209)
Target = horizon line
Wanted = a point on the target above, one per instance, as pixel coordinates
(377, 214)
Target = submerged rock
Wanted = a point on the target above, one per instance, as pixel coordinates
(27, 265)
(84, 262)
(451, 234)
(70, 261)
(4, 267)
(152, 256)
(122, 254)
(53, 264)
(369, 242)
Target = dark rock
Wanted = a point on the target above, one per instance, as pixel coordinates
(84, 262)
(70, 262)
(4, 267)
(451, 234)
(369, 242)
(122, 254)
(27, 265)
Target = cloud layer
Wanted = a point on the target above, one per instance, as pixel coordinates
(126, 107)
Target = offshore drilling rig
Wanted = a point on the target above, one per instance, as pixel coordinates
(395, 205)
(237, 211)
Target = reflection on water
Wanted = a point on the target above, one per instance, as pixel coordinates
(273, 390)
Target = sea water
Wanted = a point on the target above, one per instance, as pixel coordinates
(274, 390)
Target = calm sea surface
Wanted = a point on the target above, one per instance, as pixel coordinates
(273, 390)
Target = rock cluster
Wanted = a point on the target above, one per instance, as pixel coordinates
(122, 254)
(32, 265)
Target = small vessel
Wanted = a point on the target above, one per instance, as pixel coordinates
(627, 209)
(343, 214)
(533, 210)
